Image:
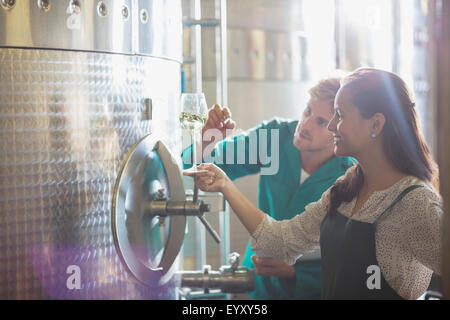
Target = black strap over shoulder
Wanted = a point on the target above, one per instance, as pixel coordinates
(399, 197)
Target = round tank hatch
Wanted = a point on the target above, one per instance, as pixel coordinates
(147, 246)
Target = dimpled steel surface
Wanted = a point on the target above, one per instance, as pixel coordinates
(67, 120)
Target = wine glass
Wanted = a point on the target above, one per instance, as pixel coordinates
(193, 115)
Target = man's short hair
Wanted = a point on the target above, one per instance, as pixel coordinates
(326, 89)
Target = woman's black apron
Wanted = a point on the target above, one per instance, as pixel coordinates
(349, 262)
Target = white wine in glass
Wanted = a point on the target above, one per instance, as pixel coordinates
(193, 115)
(192, 122)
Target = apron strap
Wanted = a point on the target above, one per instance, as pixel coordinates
(400, 196)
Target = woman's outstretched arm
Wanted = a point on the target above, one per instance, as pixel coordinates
(286, 239)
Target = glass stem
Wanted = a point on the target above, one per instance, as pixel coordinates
(194, 161)
(194, 148)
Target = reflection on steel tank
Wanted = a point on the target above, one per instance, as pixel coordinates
(74, 76)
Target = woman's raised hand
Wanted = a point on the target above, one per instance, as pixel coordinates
(208, 177)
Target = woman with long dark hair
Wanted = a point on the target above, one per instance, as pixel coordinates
(379, 226)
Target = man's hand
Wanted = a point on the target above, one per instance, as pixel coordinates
(272, 267)
(219, 118)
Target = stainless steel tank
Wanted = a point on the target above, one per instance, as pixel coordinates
(80, 83)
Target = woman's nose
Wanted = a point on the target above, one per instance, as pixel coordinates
(332, 125)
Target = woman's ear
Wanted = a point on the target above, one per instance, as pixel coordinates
(378, 121)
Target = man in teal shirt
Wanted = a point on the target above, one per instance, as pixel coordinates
(299, 168)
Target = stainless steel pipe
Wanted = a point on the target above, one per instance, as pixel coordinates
(229, 279)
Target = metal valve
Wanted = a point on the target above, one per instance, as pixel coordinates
(234, 259)
(162, 208)
(229, 279)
